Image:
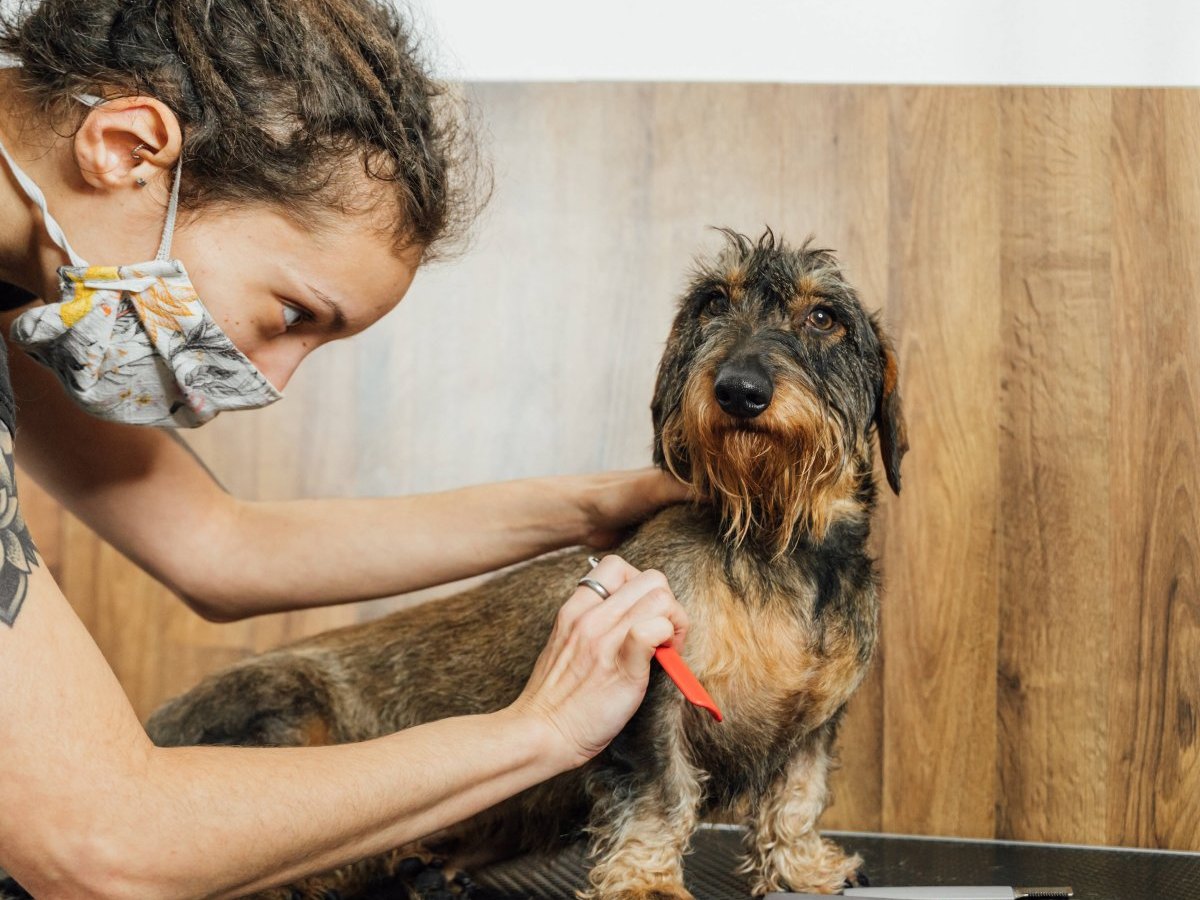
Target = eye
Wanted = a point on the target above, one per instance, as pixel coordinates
(716, 305)
(294, 315)
(821, 319)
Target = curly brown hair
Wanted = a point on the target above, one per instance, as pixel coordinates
(274, 96)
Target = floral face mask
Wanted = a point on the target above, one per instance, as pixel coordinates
(133, 343)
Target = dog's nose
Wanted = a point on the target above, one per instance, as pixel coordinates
(743, 388)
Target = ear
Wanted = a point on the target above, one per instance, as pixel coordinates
(668, 393)
(889, 418)
(666, 399)
(126, 139)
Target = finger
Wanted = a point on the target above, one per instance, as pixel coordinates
(639, 645)
(612, 572)
(603, 617)
(658, 604)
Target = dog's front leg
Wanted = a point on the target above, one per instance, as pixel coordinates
(641, 824)
(785, 850)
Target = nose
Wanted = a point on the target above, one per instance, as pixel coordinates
(278, 364)
(743, 388)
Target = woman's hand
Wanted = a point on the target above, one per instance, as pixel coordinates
(592, 675)
(613, 501)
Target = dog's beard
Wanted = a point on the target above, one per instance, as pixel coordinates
(773, 477)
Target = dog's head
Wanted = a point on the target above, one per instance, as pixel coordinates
(773, 380)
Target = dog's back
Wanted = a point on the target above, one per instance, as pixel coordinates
(466, 654)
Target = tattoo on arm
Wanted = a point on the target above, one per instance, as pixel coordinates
(19, 553)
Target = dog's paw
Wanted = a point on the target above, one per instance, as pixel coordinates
(664, 891)
(821, 869)
(427, 877)
(667, 892)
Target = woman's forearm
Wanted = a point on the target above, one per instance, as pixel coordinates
(209, 821)
(300, 553)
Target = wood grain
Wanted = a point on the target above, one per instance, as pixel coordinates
(1035, 254)
(939, 630)
(1154, 761)
(1054, 400)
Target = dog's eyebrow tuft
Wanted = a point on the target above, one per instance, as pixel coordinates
(809, 284)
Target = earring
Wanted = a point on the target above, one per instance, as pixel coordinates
(140, 182)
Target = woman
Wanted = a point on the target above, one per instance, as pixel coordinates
(314, 166)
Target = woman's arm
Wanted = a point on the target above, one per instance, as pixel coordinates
(332, 551)
(145, 493)
(92, 809)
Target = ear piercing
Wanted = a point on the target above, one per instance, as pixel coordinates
(140, 182)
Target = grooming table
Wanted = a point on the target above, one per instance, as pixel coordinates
(1094, 873)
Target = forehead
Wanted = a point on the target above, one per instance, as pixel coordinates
(355, 250)
(777, 276)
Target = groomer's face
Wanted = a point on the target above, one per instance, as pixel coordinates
(279, 287)
(280, 290)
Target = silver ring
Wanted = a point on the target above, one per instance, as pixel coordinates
(594, 585)
(135, 154)
(593, 562)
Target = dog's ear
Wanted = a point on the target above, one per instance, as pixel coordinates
(889, 417)
(669, 386)
(668, 394)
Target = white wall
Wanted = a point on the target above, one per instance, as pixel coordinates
(1110, 42)
(1102, 42)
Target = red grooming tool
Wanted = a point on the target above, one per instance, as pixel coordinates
(677, 670)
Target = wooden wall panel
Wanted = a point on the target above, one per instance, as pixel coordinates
(1054, 622)
(940, 616)
(1034, 252)
(1154, 760)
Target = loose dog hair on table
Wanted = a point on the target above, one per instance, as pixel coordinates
(772, 388)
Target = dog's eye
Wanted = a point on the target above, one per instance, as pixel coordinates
(716, 305)
(822, 319)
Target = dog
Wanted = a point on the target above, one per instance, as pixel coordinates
(772, 390)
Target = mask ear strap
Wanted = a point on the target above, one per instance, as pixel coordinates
(35, 194)
(168, 233)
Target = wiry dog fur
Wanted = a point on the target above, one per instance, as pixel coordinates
(773, 570)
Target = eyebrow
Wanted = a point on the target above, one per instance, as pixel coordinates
(339, 316)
